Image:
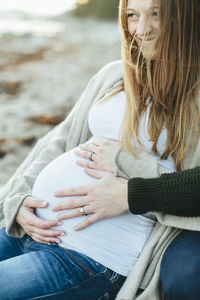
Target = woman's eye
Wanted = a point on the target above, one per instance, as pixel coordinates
(155, 14)
(132, 16)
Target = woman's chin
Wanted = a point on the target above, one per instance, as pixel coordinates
(148, 50)
(149, 55)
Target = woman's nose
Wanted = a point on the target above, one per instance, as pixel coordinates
(143, 27)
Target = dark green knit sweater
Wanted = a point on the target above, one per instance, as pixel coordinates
(176, 194)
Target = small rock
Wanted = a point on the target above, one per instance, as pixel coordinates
(29, 141)
(2, 140)
(17, 59)
(10, 88)
(3, 153)
(47, 120)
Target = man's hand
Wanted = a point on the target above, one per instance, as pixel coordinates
(104, 199)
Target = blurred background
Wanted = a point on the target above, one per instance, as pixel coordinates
(49, 49)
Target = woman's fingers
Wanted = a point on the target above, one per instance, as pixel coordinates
(40, 230)
(99, 155)
(85, 151)
(33, 220)
(97, 173)
(45, 240)
(83, 154)
(34, 203)
(89, 147)
(86, 154)
(47, 233)
(26, 218)
(44, 235)
(87, 164)
(26, 214)
(39, 240)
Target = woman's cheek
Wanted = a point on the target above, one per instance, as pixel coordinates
(131, 29)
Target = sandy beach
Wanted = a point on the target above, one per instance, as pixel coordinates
(41, 77)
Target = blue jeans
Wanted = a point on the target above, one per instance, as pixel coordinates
(30, 270)
(180, 267)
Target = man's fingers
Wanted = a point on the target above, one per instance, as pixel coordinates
(34, 203)
(71, 203)
(72, 214)
(87, 222)
(75, 191)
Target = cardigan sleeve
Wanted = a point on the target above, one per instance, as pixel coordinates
(175, 194)
(20, 185)
(144, 165)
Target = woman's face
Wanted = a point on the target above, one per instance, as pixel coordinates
(143, 24)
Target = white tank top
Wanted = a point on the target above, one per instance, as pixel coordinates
(115, 242)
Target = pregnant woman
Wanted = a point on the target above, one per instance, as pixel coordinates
(154, 118)
(107, 241)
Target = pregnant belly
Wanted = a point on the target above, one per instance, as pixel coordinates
(106, 240)
(61, 173)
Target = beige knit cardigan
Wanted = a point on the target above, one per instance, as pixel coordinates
(67, 135)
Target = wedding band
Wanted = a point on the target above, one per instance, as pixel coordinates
(82, 211)
(91, 154)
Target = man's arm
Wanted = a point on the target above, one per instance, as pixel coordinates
(174, 194)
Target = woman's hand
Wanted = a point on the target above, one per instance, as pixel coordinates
(104, 199)
(102, 154)
(35, 227)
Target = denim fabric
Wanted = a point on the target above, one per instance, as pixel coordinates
(30, 270)
(180, 268)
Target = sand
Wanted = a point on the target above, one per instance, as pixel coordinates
(41, 78)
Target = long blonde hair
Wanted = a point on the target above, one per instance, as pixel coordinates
(171, 81)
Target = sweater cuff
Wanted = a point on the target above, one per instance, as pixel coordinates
(144, 195)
